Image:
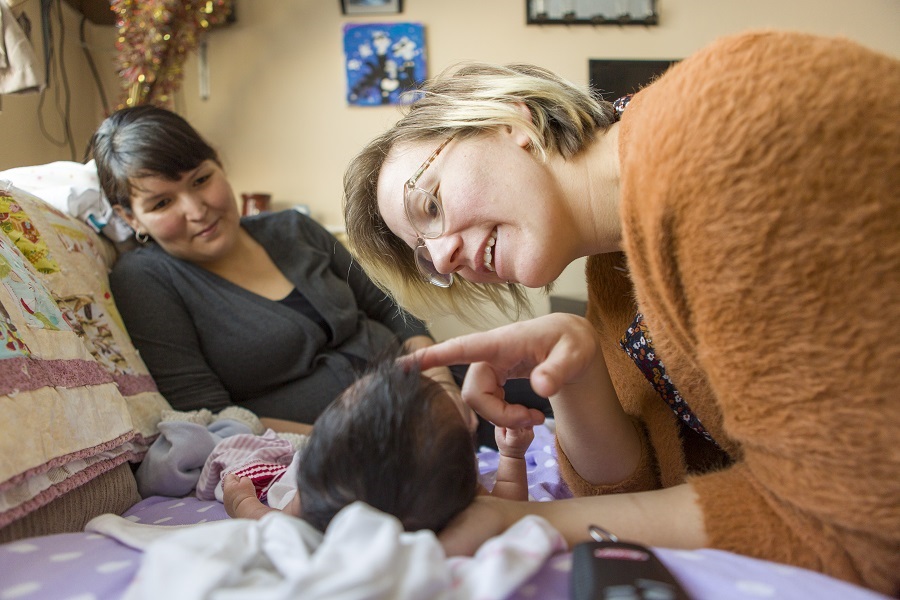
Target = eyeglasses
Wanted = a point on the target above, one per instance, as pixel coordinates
(426, 215)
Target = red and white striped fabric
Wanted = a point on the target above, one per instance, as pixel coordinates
(264, 458)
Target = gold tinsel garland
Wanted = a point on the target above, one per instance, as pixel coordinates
(154, 39)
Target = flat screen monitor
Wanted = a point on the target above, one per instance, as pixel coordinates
(616, 78)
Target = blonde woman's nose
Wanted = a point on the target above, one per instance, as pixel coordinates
(446, 253)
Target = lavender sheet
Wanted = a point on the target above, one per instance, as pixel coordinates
(82, 566)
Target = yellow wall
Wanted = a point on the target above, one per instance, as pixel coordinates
(277, 110)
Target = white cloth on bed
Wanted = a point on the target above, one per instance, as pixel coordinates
(283, 490)
(364, 554)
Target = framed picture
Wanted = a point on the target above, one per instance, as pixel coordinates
(371, 7)
(385, 62)
(591, 12)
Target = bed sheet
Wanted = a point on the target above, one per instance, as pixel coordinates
(86, 566)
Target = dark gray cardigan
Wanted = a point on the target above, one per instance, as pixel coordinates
(209, 343)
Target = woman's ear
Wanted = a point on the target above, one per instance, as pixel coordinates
(520, 134)
(126, 215)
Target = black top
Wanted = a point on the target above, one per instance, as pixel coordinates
(298, 302)
(209, 343)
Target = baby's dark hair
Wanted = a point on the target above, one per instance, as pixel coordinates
(144, 140)
(395, 441)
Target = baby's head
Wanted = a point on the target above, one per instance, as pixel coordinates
(396, 441)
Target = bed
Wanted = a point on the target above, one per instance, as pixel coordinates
(80, 412)
(92, 565)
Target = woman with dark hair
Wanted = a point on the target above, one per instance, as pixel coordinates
(268, 312)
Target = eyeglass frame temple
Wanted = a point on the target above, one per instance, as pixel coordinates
(411, 182)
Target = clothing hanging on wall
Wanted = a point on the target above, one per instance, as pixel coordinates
(19, 65)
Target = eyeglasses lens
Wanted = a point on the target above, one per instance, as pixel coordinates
(424, 213)
(428, 270)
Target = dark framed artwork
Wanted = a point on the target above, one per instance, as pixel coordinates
(371, 7)
(384, 62)
(591, 12)
(616, 78)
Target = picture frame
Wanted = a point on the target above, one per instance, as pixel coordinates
(385, 63)
(591, 12)
(371, 7)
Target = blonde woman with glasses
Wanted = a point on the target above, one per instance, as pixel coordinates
(734, 383)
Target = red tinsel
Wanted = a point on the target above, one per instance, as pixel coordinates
(154, 39)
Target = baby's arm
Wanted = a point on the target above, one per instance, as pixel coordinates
(512, 478)
(239, 498)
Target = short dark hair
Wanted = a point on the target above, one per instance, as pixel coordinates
(145, 140)
(391, 441)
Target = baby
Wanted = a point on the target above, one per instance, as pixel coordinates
(396, 441)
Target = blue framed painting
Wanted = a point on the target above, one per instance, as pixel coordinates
(383, 61)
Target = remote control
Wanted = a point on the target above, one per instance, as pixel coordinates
(621, 571)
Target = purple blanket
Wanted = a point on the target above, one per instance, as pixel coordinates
(83, 566)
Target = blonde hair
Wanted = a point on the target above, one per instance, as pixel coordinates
(464, 101)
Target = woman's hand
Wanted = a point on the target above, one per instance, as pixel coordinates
(442, 375)
(561, 355)
(553, 351)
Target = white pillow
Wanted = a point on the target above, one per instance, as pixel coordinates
(72, 188)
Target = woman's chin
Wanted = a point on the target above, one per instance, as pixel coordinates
(533, 281)
(530, 280)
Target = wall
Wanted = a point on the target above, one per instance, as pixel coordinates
(277, 111)
(21, 140)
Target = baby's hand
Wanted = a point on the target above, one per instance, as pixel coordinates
(513, 442)
(239, 497)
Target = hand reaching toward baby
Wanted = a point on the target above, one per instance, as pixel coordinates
(554, 351)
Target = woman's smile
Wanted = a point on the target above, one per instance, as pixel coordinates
(208, 231)
(490, 251)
